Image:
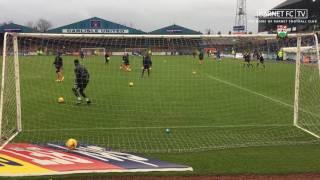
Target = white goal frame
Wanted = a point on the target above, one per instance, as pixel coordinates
(17, 87)
(46, 35)
(297, 82)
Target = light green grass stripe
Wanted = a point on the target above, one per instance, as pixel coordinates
(249, 91)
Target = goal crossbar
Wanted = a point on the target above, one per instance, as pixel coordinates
(48, 35)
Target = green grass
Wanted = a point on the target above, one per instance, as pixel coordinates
(212, 115)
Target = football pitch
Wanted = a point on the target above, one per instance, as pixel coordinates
(220, 117)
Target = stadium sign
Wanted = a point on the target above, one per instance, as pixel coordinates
(56, 159)
(13, 30)
(174, 30)
(239, 28)
(95, 31)
(95, 24)
(285, 16)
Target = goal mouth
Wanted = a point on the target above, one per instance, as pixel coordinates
(198, 93)
(94, 51)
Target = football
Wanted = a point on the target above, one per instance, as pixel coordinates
(71, 144)
(60, 100)
(168, 131)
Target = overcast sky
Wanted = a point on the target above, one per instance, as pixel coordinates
(147, 15)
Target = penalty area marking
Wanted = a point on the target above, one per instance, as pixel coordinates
(258, 94)
(248, 90)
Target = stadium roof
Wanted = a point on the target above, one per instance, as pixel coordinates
(95, 25)
(11, 27)
(287, 3)
(175, 30)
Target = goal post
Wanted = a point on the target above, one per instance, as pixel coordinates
(297, 82)
(185, 105)
(307, 87)
(10, 102)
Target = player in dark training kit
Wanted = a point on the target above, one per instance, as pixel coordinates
(260, 58)
(81, 54)
(58, 63)
(147, 65)
(247, 60)
(81, 82)
(107, 58)
(125, 63)
(201, 57)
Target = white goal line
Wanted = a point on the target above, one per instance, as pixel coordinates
(162, 127)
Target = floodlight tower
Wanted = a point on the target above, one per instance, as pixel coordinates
(241, 15)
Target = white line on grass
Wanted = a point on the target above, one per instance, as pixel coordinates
(173, 127)
(248, 90)
(259, 94)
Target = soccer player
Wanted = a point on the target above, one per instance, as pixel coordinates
(208, 53)
(107, 57)
(247, 60)
(58, 63)
(125, 62)
(82, 55)
(147, 65)
(81, 82)
(260, 58)
(218, 55)
(201, 57)
(194, 53)
(234, 53)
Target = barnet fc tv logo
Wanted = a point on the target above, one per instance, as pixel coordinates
(95, 24)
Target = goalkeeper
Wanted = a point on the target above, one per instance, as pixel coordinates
(81, 82)
(58, 63)
(147, 65)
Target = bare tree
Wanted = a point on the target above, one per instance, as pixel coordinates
(209, 31)
(43, 25)
(31, 25)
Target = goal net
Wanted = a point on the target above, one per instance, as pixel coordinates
(306, 113)
(245, 92)
(93, 51)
